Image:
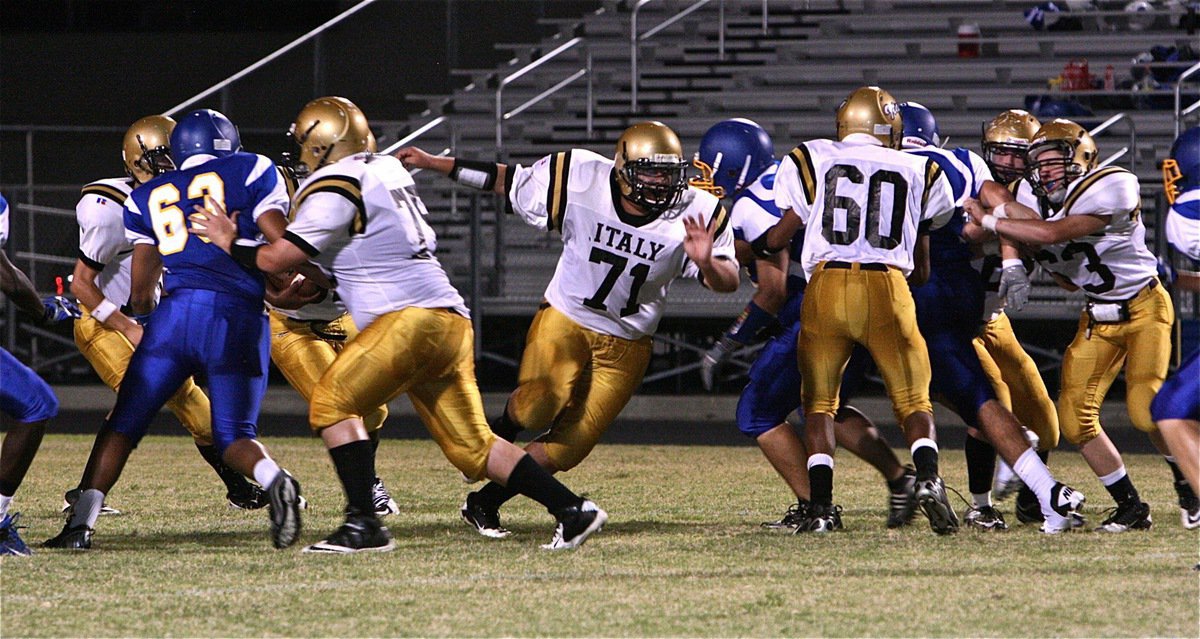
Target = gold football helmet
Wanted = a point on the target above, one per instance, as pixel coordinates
(327, 130)
(372, 146)
(1005, 141)
(651, 170)
(146, 150)
(1059, 143)
(872, 111)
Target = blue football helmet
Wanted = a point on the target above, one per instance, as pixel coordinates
(204, 132)
(920, 128)
(1181, 171)
(733, 153)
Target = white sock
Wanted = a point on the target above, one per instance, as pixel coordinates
(1113, 477)
(5, 500)
(820, 459)
(982, 500)
(1004, 472)
(1032, 470)
(924, 441)
(265, 471)
(87, 509)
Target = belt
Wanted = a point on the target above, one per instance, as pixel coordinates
(1153, 284)
(865, 266)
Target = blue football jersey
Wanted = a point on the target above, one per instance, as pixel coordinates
(946, 244)
(157, 212)
(3, 221)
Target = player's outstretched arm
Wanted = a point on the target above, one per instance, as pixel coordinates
(485, 176)
(720, 274)
(212, 222)
(19, 289)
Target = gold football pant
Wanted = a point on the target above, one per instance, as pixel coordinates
(427, 353)
(870, 305)
(109, 353)
(1091, 364)
(304, 350)
(574, 382)
(1017, 380)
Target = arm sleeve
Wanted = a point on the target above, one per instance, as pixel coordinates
(751, 220)
(137, 228)
(528, 193)
(101, 231)
(722, 241)
(789, 192)
(270, 191)
(322, 218)
(1110, 193)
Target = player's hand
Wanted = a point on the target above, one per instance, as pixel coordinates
(414, 158)
(975, 210)
(58, 308)
(714, 358)
(293, 295)
(134, 333)
(210, 221)
(698, 243)
(1014, 287)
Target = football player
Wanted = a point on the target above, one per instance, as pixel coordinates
(359, 216)
(737, 159)
(1176, 408)
(950, 307)
(863, 204)
(105, 334)
(630, 225)
(305, 340)
(24, 396)
(210, 320)
(1015, 376)
(1088, 224)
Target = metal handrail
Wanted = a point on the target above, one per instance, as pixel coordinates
(1132, 148)
(1114, 157)
(502, 116)
(634, 39)
(271, 56)
(1192, 70)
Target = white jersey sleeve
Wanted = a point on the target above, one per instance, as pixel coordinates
(1183, 224)
(722, 240)
(754, 211)
(135, 236)
(527, 191)
(266, 172)
(795, 183)
(325, 219)
(100, 215)
(938, 201)
(3, 221)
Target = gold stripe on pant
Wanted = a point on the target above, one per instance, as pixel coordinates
(574, 382)
(844, 306)
(109, 353)
(427, 353)
(303, 354)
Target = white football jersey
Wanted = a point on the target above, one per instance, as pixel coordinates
(1114, 263)
(754, 212)
(103, 245)
(615, 268)
(3, 221)
(861, 202)
(361, 220)
(1183, 224)
(327, 309)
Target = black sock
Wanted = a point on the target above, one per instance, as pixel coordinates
(1026, 496)
(1044, 455)
(234, 481)
(1175, 470)
(820, 483)
(355, 464)
(504, 427)
(1123, 491)
(1182, 487)
(373, 437)
(529, 479)
(981, 465)
(925, 459)
(899, 484)
(493, 495)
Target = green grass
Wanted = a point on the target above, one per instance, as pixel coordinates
(682, 555)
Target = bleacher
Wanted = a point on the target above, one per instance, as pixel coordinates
(790, 78)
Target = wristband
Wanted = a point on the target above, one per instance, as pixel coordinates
(760, 247)
(475, 174)
(1012, 262)
(989, 222)
(103, 310)
(999, 211)
(245, 252)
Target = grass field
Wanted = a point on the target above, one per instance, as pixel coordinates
(682, 555)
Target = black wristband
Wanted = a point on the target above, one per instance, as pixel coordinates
(245, 254)
(760, 247)
(475, 174)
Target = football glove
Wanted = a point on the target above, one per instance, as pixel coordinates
(58, 308)
(1014, 286)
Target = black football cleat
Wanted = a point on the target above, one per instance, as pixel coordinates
(575, 524)
(71, 538)
(902, 505)
(485, 521)
(284, 509)
(72, 496)
(822, 518)
(249, 497)
(382, 500)
(985, 518)
(795, 517)
(931, 497)
(361, 532)
(1130, 515)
